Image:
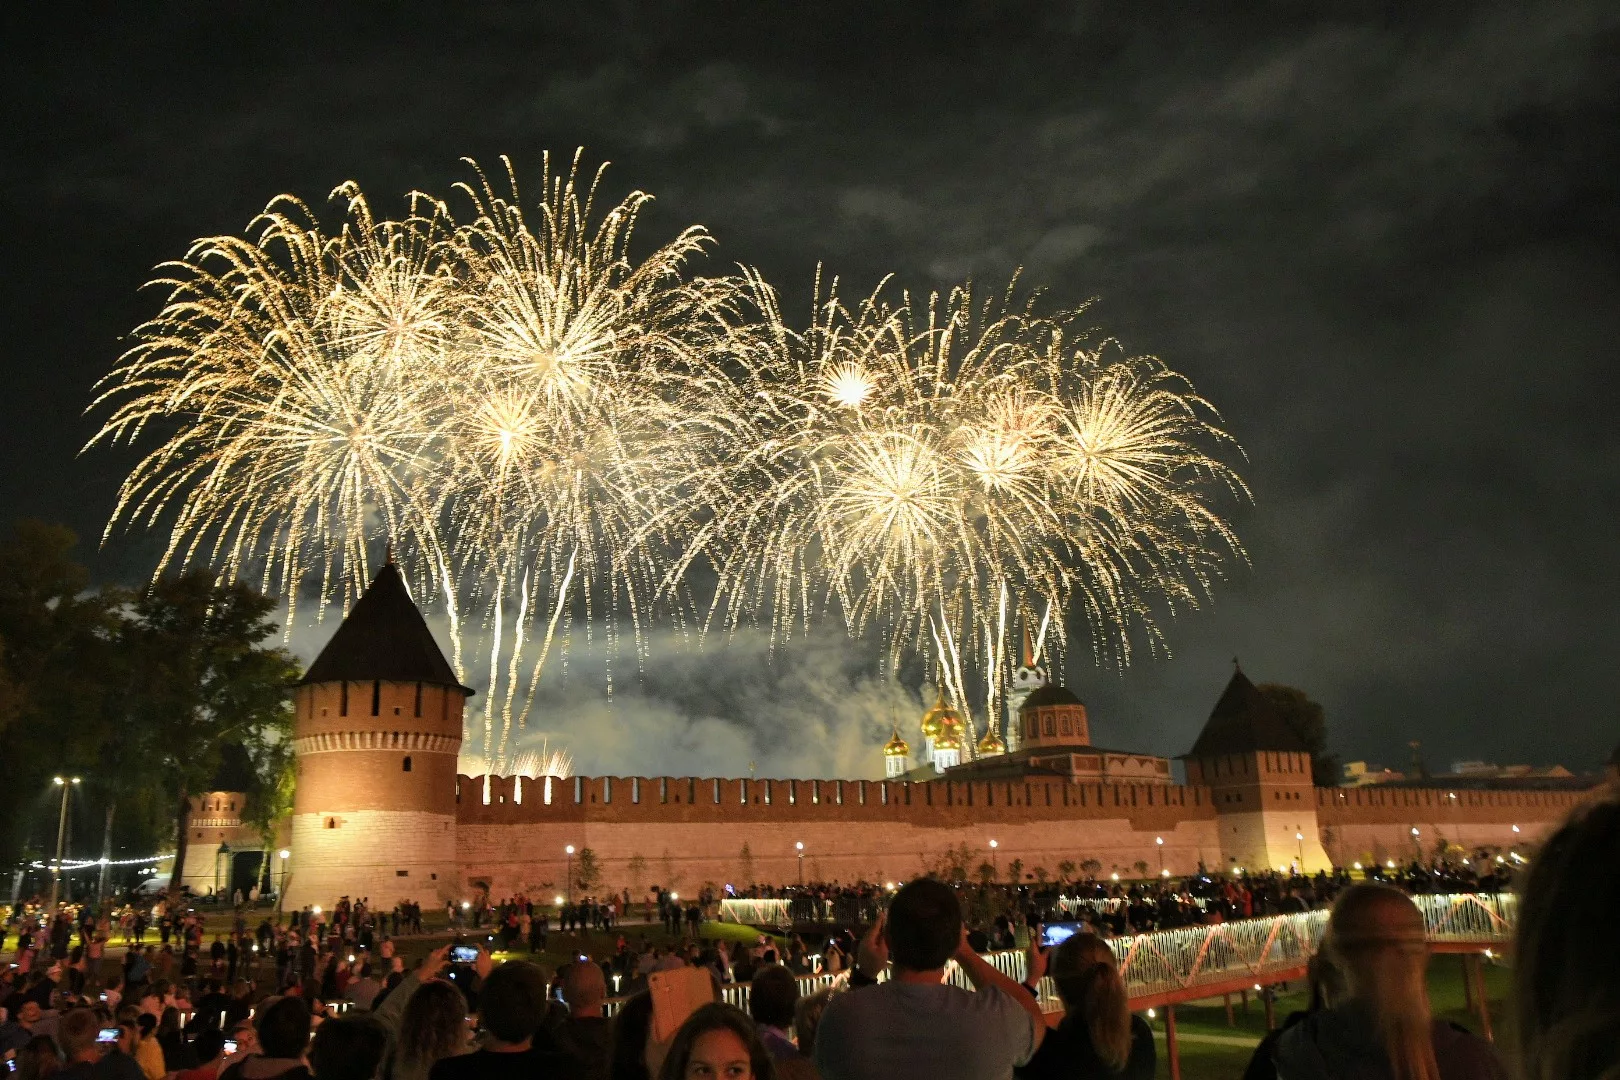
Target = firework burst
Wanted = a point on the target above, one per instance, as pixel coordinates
(556, 432)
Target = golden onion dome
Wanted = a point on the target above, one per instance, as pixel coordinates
(992, 743)
(938, 718)
(896, 746)
(949, 738)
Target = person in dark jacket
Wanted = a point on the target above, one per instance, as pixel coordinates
(1383, 1028)
(1099, 1036)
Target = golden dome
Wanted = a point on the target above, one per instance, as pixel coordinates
(938, 718)
(896, 746)
(950, 738)
(992, 743)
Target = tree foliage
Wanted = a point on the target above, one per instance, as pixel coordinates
(147, 695)
(587, 870)
(1308, 720)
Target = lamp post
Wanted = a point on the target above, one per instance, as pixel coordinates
(1417, 846)
(568, 885)
(282, 888)
(61, 839)
(800, 846)
(1299, 838)
(995, 859)
(1159, 840)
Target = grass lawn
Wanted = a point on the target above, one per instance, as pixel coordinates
(1200, 1024)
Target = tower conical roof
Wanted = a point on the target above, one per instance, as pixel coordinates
(384, 637)
(1244, 721)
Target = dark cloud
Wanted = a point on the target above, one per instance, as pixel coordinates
(1384, 245)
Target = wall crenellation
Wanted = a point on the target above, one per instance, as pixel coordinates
(494, 800)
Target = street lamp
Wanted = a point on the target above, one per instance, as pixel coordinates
(281, 890)
(995, 861)
(1299, 838)
(799, 844)
(61, 838)
(568, 885)
(1159, 840)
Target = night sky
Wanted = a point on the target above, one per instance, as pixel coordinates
(1386, 247)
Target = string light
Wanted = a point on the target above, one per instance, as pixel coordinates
(69, 866)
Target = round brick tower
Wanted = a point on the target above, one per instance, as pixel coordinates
(377, 728)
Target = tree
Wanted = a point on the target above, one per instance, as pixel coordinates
(1141, 867)
(1306, 719)
(745, 866)
(587, 871)
(1015, 871)
(61, 690)
(1092, 867)
(987, 873)
(672, 879)
(1066, 870)
(1041, 874)
(202, 679)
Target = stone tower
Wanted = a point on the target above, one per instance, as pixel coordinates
(377, 728)
(1258, 771)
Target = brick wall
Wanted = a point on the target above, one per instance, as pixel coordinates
(386, 855)
(661, 829)
(1374, 823)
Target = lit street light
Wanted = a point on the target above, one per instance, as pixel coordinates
(61, 838)
(995, 860)
(1299, 838)
(1159, 840)
(568, 885)
(800, 845)
(281, 890)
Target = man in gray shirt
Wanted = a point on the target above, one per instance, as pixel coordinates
(915, 1024)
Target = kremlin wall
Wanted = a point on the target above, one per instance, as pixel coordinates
(380, 810)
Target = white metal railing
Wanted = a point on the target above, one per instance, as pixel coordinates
(1166, 962)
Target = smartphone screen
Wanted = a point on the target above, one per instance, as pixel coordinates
(1059, 932)
(230, 1047)
(463, 954)
(107, 1036)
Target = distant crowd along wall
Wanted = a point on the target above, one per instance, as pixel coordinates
(683, 832)
(687, 831)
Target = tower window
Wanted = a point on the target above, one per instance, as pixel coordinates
(343, 701)
(1049, 725)
(376, 697)
(407, 765)
(418, 699)
(331, 823)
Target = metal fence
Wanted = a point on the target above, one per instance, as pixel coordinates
(1183, 964)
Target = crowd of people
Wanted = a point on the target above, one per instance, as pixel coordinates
(328, 995)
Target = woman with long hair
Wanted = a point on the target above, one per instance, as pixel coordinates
(38, 1059)
(1567, 984)
(632, 1030)
(1098, 1037)
(1383, 1027)
(432, 1027)
(717, 1042)
(177, 1053)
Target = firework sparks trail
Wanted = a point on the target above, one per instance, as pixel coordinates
(915, 462)
(543, 423)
